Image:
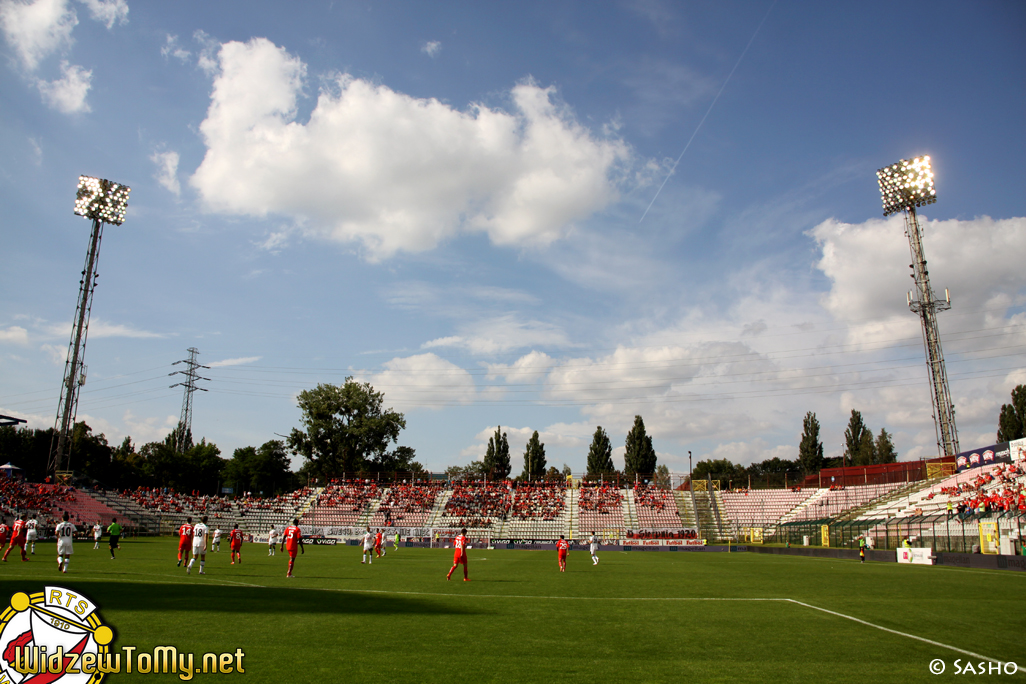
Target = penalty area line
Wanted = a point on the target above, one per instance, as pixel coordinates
(894, 631)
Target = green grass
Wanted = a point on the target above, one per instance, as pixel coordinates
(519, 620)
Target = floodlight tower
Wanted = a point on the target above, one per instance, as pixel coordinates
(191, 376)
(103, 201)
(903, 187)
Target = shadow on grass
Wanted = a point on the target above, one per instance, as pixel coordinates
(186, 598)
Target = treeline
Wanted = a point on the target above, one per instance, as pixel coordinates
(193, 467)
(861, 448)
(345, 430)
(639, 459)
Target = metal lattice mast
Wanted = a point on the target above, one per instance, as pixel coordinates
(926, 304)
(103, 201)
(74, 366)
(905, 186)
(191, 376)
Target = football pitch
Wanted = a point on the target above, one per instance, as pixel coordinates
(636, 617)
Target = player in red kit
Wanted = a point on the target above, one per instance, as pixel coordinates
(292, 541)
(184, 540)
(377, 544)
(17, 537)
(3, 532)
(460, 554)
(562, 546)
(235, 543)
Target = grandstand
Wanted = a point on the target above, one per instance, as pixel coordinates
(546, 510)
(538, 511)
(600, 510)
(762, 507)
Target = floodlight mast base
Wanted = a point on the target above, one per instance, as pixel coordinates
(926, 305)
(74, 378)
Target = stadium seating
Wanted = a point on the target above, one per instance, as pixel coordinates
(761, 507)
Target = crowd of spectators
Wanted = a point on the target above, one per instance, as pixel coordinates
(478, 504)
(655, 498)
(351, 496)
(541, 501)
(407, 504)
(600, 499)
(981, 495)
(656, 507)
(165, 500)
(23, 496)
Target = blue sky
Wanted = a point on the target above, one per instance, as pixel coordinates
(446, 200)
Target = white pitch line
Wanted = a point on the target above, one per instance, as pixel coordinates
(669, 598)
(894, 631)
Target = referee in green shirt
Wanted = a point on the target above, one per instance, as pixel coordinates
(115, 535)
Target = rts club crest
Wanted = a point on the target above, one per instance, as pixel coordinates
(53, 636)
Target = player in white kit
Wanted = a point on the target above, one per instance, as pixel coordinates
(215, 543)
(32, 533)
(65, 534)
(199, 546)
(368, 548)
(272, 540)
(97, 534)
(593, 546)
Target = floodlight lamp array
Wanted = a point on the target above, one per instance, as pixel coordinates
(103, 200)
(907, 184)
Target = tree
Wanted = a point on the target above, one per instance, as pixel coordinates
(1012, 419)
(719, 469)
(475, 470)
(496, 460)
(810, 449)
(264, 470)
(867, 449)
(854, 440)
(662, 476)
(399, 460)
(640, 457)
(534, 459)
(884, 450)
(600, 455)
(345, 428)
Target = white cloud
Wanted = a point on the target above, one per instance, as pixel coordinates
(425, 381)
(33, 421)
(235, 362)
(57, 355)
(275, 241)
(171, 48)
(101, 328)
(393, 172)
(754, 451)
(68, 93)
(431, 48)
(502, 334)
(978, 260)
(15, 334)
(108, 12)
(37, 29)
(167, 170)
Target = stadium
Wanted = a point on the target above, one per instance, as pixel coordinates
(782, 562)
(512, 342)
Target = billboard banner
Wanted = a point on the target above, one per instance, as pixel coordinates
(979, 458)
(1017, 449)
(662, 542)
(917, 556)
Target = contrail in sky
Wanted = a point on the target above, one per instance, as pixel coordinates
(713, 104)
